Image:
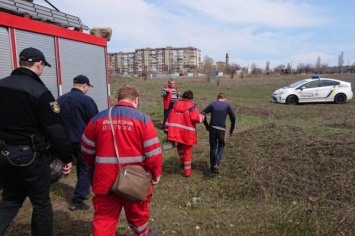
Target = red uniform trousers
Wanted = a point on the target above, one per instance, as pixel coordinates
(107, 214)
(185, 152)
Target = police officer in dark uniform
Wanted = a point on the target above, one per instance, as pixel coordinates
(77, 109)
(29, 119)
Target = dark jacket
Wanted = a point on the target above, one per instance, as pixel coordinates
(76, 109)
(219, 111)
(28, 108)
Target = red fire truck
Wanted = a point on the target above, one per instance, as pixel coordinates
(62, 40)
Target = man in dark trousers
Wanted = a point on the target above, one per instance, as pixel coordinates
(219, 110)
(29, 118)
(77, 109)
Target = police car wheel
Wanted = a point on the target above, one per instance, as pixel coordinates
(292, 100)
(340, 98)
(56, 170)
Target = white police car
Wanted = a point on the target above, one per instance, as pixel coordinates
(314, 89)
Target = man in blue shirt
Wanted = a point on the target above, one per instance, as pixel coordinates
(217, 128)
(77, 109)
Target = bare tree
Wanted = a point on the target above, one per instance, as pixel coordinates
(324, 69)
(207, 65)
(288, 69)
(255, 70)
(308, 68)
(267, 67)
(341, 62)
(300, 68)
(280, 69)
(232, 69)
(220, 66)
(352, 68)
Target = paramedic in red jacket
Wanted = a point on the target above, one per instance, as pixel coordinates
(170, 94)
(181, 128)
(138, 144)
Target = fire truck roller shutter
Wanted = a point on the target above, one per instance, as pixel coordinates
(87, 59)
(45, 44)
(6, 65)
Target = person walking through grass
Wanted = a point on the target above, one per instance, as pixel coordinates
(77, 109)
(30, 117)
(219, 110)
(170, 94)
(138, 144)
(181, 128)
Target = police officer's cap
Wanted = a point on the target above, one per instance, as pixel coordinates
(33, 55)
(82, 79)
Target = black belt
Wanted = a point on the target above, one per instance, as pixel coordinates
(6, 146)
(23, 147)
(14, 143)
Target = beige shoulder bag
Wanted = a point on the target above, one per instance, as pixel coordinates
(132, 181)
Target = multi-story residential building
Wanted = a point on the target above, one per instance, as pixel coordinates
(121, 63)
(155, 60)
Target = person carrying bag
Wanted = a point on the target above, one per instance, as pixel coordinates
(122, 147)
(132, 182)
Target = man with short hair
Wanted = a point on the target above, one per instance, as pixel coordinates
(170, 95)
(138, 144)
(29, 118)
(77, 109)
(219, 110)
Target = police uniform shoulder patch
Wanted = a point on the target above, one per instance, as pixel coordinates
(55, 107)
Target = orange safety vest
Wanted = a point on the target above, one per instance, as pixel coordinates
(167, 98)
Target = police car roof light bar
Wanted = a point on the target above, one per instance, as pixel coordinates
(315, 77)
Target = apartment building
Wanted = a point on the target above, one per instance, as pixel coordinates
(121, 63)
(155, 60)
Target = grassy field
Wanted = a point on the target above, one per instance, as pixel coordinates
(288, 170)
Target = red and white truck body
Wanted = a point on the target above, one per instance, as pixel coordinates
(70, 51)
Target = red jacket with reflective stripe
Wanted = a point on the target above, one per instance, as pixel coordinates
(137, 143)
(167, 98)
(181, 122)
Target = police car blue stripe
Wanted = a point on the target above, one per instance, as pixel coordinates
(329, 93)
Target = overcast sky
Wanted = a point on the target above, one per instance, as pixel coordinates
(253, 31)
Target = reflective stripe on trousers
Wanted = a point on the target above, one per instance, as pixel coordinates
(186, 151)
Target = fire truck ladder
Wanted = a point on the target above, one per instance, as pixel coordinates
(41, 13)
